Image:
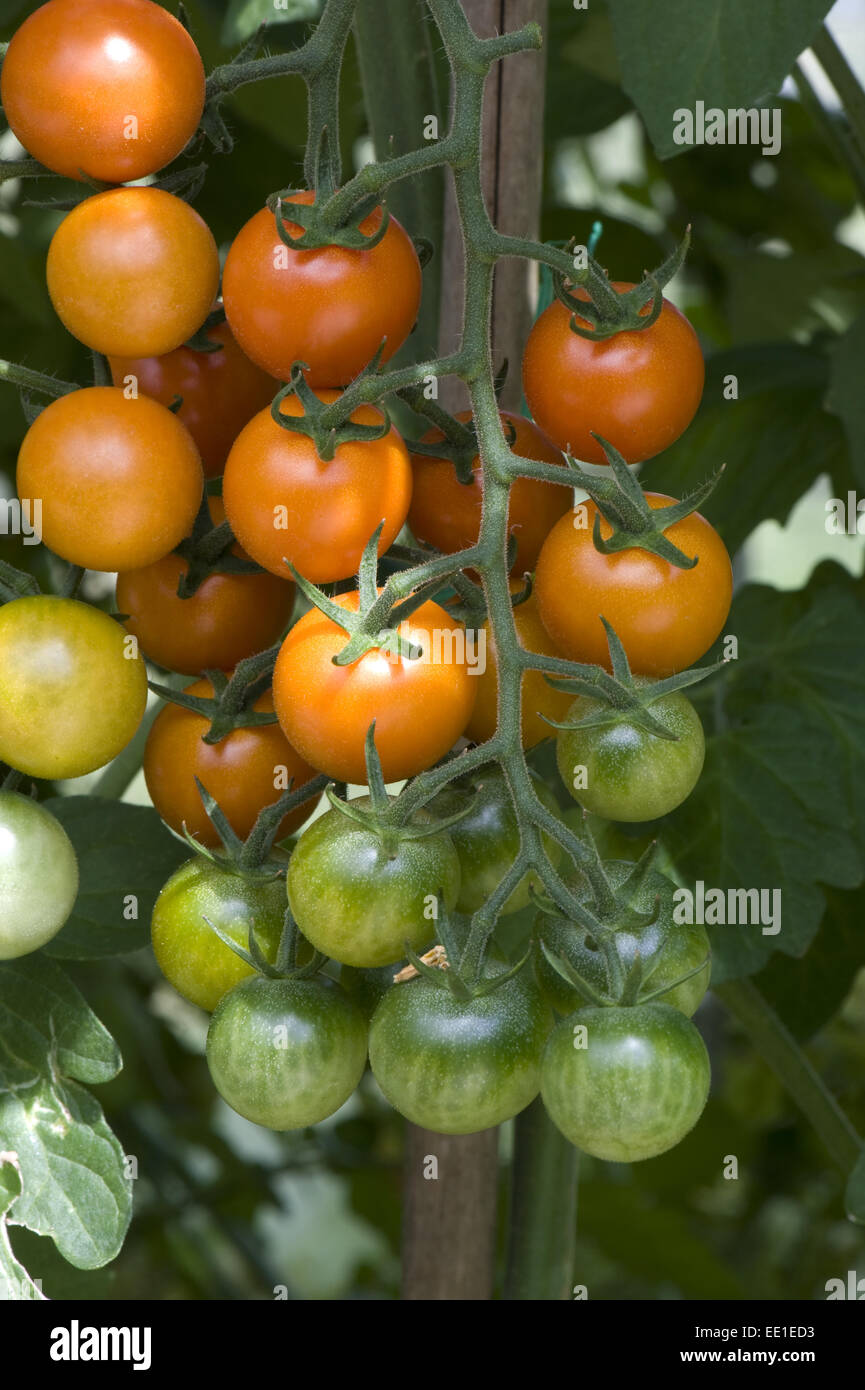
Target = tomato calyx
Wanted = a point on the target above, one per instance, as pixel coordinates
(446, 974)
(316, 422)
(231, 706)
(319, 229)
(608, 310)
(208, 550)
(625, 696)
(288, 965)
(201, 341)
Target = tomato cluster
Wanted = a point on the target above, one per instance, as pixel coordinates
(235, 389)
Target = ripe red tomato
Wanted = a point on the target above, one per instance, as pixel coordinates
(665, 617)
(246, 771)
(538, 696)
(639, 390)
(120, 480)
(447, 513)
(330, 308)
(133, 272)
(103, 89)
(229, 617)
(420, 707)
(284, 503)
(221, 391)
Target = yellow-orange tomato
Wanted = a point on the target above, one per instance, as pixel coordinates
(665, 617)
(538, 697)
(103, 89)
(229, 617)
(420, 707)
(221, 391)
(120, 480)
(446, 513)
(285, 503)
(638, 390)
(331, 308)
(133, 272)
(248, 770)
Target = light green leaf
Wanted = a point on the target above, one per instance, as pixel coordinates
(243, 17)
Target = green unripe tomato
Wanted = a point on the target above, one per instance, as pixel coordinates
(191, 956)
(625, 1084)
(487, 839)
(631, 774)
(359, 898)
(681, 947)
(38, 875)
(286, 1053)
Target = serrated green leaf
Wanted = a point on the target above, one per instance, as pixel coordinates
(781, 803)
(70, 1165)
(243, 17)
(15, 1283)
(125, 854)
(774, 441)
(854, 1196)
(726, 53)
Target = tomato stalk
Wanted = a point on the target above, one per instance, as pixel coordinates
(543, 1210)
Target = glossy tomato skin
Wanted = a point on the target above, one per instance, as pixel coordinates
(78, 72)
(631, 774)
(120, 480)
(285, 503)
(359, 899)
(446, 513)
(220, 390)
(189, 954)
(539, 698)
(229, 617)
(638, 390)
(665, 617)
(454, 1067)
(330, 308)
(487, 838)
(676, 948)
(39, 875)
(637, 1086)
(72, 691)
(286, 1053)
(420, 707)
(132, 272)
(240, 771)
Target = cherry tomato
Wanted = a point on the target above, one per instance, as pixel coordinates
(623, 772)
(120, 480)
(487, 838)
(103, 89)
(229, 617)
(39, 874)
(286, 1053)
(331, 308)
(188, 952)
(72, 688)
(132, 272)
(539, 698)
(625, 1084)
(639, 390)
(247, 770)
(420, 707)
(458, 1067)
(667, 950)
(446, 513)
(285, 503)
(221, 391)
(359, 896)
(665, 617)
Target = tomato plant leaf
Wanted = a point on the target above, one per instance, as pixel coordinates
(15, 1283)
(243, 17)
(71, 1167)
(125, 855)
(835, 956)
(781, 803)
(737, 56)
(775, 439)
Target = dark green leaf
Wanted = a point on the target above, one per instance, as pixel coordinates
(835, 956)
(846, 399)
(70, 1165)
(726, 53)
(125, 854)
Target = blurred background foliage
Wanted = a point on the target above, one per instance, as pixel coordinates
(226, 1210)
